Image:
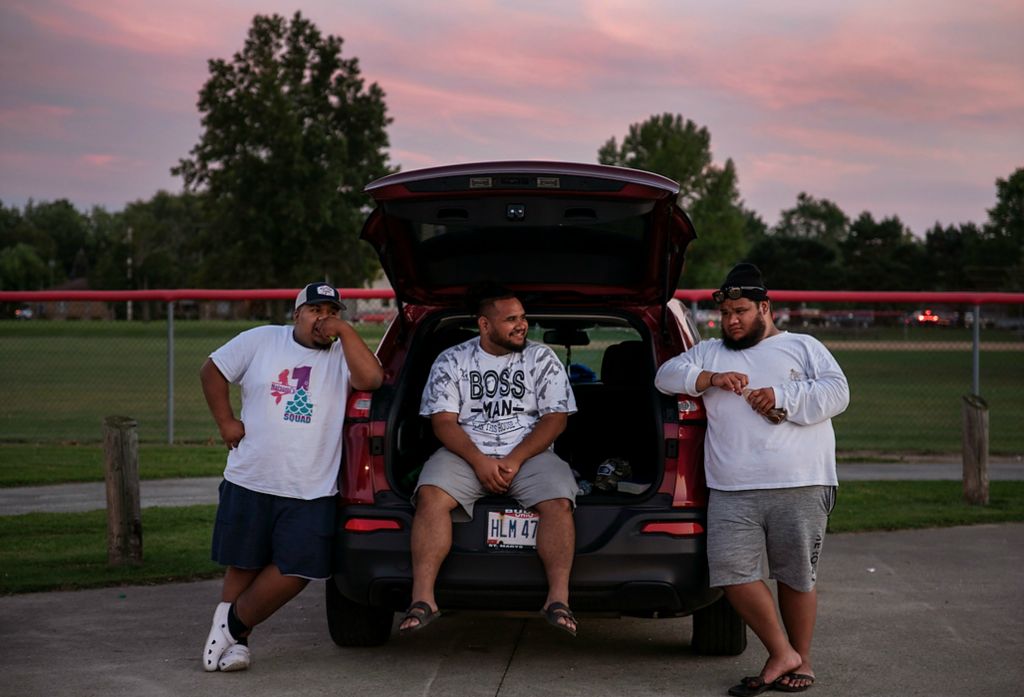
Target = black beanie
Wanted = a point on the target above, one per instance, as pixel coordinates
(749, 277)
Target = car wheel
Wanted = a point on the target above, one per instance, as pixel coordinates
(352, 624)
(718, 630)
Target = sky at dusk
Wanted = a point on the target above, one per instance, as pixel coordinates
(898, 107)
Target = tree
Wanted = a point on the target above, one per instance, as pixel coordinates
(58, 234)
(1003, 246)
(1006, 219)
(681, 150)
(291, 135)
(814, 219)
(951, 251)
(884, 255)
(160, 237)
(21, 268)
(797, 263)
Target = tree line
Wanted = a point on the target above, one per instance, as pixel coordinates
(291, 133)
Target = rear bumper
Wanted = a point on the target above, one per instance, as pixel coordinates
(617, 569)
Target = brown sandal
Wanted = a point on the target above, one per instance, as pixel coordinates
(560, 611)
(421, 612)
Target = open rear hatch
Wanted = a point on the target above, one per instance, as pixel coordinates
(561, 234)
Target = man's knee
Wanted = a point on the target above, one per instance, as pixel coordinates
(430, 498)
(554, 507)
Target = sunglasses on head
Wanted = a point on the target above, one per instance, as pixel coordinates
(733, 293)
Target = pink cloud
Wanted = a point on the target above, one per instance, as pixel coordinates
(799, 171)
(181, 28)
(35, 120)
(904, 65)
(101, 161)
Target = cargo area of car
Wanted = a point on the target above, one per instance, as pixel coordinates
(611, 368)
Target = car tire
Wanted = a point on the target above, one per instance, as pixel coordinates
(352, 624)
(718, 630)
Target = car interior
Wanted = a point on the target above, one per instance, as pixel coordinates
(611, 368)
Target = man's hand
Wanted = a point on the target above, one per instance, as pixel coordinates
(509, 468)
(761, 400)
(492, 474)
(729, 381)
(232, 432)
(328, 328)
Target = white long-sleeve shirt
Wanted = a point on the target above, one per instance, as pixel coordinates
(743, 450)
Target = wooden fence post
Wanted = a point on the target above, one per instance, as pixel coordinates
(121, 470)
(975, 447)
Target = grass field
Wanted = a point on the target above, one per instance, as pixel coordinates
(51, 551)
(33, 464)
(62, 378)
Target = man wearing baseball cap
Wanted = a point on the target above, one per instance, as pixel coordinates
(770, 465)
(276, 515)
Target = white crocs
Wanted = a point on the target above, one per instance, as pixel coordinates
(219, 640)
(237, 657)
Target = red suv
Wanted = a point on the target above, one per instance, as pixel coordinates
(594, 253)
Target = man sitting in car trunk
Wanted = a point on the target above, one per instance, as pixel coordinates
(770, 464)
(497, 403)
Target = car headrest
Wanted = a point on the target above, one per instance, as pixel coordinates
(627, 363)
(566, 336)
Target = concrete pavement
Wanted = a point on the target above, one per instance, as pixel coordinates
(185, 492)
(934, 613)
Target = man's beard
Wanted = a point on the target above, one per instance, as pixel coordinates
(751, 338)
(505, 343)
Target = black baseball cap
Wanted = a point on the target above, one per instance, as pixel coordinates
(318, 292)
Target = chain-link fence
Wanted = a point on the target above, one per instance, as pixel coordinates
(67, 366)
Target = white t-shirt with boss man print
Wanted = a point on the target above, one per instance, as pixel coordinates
(498, 399)
(293, 408)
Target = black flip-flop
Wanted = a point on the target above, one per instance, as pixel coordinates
(424, 617)
(777, 685)
(751, 686)
(560, 611)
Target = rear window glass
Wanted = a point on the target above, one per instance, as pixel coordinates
(555, 242)
(585, 362)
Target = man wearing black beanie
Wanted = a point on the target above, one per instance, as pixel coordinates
(770, 465)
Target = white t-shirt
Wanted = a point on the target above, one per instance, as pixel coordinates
(499, 399)
(293, 408)
(742, 449)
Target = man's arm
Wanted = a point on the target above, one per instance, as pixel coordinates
(548, 428)
(452, 436)
(218, 397)
(364, 369)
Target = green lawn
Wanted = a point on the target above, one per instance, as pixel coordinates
(29, 464)
(912, 400)
(97, 369)
(51, 551)
(62, 378)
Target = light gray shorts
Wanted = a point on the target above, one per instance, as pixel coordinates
(786, 525)
(543, 477)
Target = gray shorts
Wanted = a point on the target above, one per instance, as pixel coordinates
(543, 477)
(786, 525)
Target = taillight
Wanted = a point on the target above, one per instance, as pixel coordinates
(358, 406)
(371, 524)
(690, 408)
(673, 528)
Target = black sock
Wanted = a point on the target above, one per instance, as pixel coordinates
(239, 630)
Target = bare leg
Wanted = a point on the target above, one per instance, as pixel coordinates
(236, 580)
(267, 593)
(556, 545)
(755, 604)
(799, 612)
(431, 542)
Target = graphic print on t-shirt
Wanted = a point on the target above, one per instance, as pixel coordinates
(498, 396)
(498, 399)
(299, 408)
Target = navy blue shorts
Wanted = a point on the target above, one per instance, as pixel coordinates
(255, 530)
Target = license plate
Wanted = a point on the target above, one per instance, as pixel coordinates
(512, 528)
